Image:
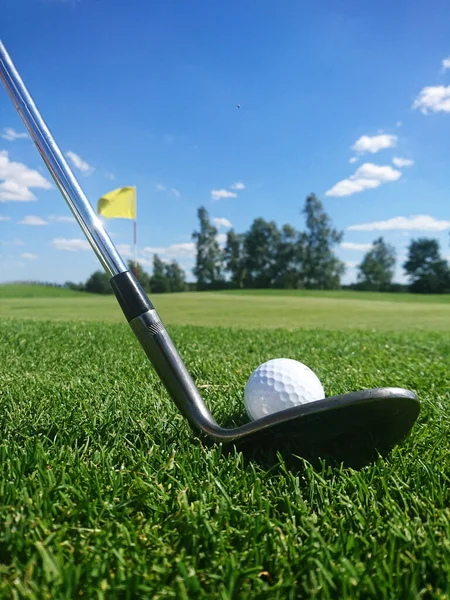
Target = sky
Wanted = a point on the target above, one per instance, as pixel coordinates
(243, 107)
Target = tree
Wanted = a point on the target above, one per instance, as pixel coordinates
(158, 281)
(233, 258)
(77, 287)
(98, 283)
(288, 259)
(427, 271)
(377, 267)
(142, 276)
(321, 268)
(175, 276)
(208, 266)
(261, 244)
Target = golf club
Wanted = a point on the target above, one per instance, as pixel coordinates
(365, 422)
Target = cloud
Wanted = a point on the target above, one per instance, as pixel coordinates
(71, 245)
(5, 218)
(352, 160)
(61, 219)
(9, 134)
(160, 187)
(79, 163)
(368, 176)
(446, 63)
(176, 193)
(125, 250)
(374, 144)
(402, 162)
(220, 194)
(238, 185)
(414, 222)
(398, 124)
(434, 99)
(351, 264)
(18, 179)
(110, 176)
(28, 256)
(358, 247)
(177, 251)
(33, 220)
(222, 222)
(221, 238)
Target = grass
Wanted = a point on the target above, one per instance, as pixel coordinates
(255, 309)
(105, 492)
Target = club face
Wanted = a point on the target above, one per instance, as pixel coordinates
(353, 428)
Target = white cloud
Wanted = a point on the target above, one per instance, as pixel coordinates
(402, 162)
(238, 185)
(358, 247)
(177, 251)
(33, 220)
(351, 264)
(125, 250)
(221, 238)
(11, 135)
(352, 160)
(71, 245)
(61, 219)
(5, 218)
(28, 256)
(433, 98)
(446, 63)
(414, 222)
(79, 163)
(222, 222)
(375, 143)
(160, 187)
(110, 176)
(219, 194)
(368, 176)
(399, 124)
(176, 193)
(18, 179)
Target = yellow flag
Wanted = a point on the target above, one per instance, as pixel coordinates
(119, 204)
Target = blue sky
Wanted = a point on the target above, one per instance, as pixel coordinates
(350, 100)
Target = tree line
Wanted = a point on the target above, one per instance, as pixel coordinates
(267, 256)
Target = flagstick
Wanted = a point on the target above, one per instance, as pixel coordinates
(135, 234)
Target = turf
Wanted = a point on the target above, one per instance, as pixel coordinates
(104, 491)
(244, 310)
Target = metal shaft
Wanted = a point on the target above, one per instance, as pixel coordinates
(59, 169)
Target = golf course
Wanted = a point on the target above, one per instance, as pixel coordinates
(105, 491)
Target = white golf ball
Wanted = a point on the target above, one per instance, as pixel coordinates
(279, 384)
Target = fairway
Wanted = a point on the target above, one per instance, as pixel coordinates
(105, 492)
(251, 309)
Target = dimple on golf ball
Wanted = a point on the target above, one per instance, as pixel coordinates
(279, 384)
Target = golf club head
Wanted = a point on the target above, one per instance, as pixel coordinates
(353, 428)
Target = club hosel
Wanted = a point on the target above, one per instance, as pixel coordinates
(161, 351)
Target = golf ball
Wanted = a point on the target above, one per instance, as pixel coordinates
(279, 384)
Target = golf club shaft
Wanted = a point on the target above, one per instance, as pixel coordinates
(135, 304)
(58, 167)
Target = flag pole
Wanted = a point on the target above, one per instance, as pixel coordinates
(135, 232)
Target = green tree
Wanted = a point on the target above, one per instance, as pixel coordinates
(288, 259)
(208, 266)
(377, 267)
(261, 244)
(142, 276)
(176, 277)
(233, 258)
(427, 271)
(321, 268)
(98, 283)
(158, 280)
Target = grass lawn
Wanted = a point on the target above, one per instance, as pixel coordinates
(105, 492)
(250, 309)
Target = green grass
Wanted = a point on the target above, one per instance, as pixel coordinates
(105, 492)
(300, 310)
(30, 290)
